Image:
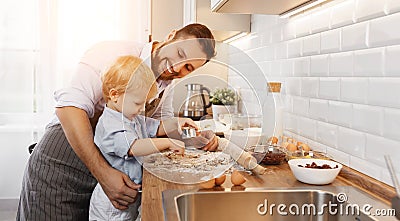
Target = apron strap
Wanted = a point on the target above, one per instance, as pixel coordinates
(151, 107)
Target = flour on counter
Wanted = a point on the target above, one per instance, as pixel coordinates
(193, 167)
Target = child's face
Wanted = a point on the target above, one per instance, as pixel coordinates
(131, 103)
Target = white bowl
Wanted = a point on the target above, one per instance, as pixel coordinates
(245, 138)
(314, 176)
(241, 121)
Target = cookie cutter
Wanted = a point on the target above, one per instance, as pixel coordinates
(188, 132)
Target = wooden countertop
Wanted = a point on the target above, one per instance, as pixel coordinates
(277, 176)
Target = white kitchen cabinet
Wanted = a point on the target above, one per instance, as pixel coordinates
(174, 14)
(272, 7)
(165, 16)
(223, 26)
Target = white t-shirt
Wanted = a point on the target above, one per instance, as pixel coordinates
(85, 91)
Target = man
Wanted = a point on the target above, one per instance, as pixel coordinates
(66, 165)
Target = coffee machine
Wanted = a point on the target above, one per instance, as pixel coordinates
(195, 106)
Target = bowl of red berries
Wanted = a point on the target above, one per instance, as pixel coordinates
(315, 171)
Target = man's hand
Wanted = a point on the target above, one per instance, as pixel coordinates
(119, 188)
(212, 145)
(206, 140)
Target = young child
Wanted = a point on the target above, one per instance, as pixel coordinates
(123, 136)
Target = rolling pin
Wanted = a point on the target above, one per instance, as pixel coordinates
(241, 156)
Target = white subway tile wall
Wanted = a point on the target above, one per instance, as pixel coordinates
(367, 118)
(294, 48)
(286, 68)
(276, 34)
(377, 146)
(381, 31)
(319, 65)
(341, 64)
(342, 14)
(293, 86)
(391, 61)
(301, 105)
(281, 50)
(309, 87)
(391, 122)
(340, 113)
(364, 165)
(330, 41)
(354, 89)
(340, 69)
(384, 92)
(329, 88)
(392, 6)
(368, 62)
(354, 36)
(319, 109)
(351, 142)
(338, 155)
(301, 67)
(369, 9)
(307, 127)
(327, 134)
(320, 21)
(312, 44)
(276, 69)
(302, 27)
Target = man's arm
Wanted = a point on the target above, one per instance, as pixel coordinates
(117, 185)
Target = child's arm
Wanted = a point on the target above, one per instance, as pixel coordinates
(172, 126)
(142, 147)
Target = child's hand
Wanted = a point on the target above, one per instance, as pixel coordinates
(177, 146)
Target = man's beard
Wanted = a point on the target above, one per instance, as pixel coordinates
(158, 69)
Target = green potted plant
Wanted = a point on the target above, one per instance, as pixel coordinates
(223, 102)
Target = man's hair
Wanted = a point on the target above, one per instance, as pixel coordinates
(203, 34)
(128, 72)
